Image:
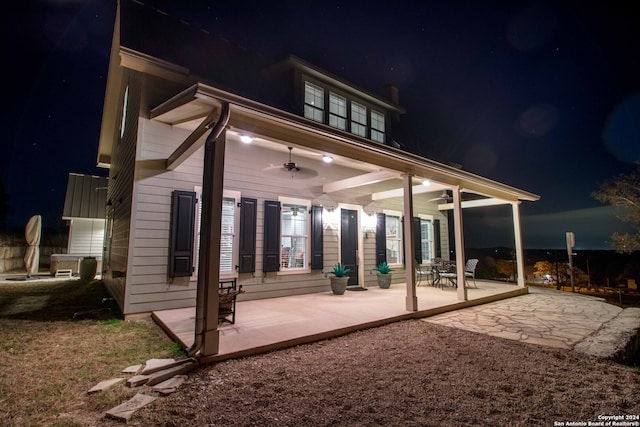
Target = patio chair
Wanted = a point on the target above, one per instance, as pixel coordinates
(425, 272)
(470, 270)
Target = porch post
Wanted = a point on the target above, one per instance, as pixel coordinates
(517, 232)
(212, 188)
(459, 242)
(409, 247)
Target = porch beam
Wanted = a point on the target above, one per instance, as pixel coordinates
(358, 181)
(473, 204)
(517, 231)
(409, 247)
(459, 243)
(398, 192)
(194, 141)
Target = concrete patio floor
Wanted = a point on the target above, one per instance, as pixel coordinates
(269, 324)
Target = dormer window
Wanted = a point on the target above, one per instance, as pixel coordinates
(377, 126)
(358, 119)
(313, 102)
(344, 113)
(337, 111)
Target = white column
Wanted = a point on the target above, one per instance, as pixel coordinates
(517, 232)
(459, 243)
(409, 248)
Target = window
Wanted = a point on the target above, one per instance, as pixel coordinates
(294, 241)
(358, 119)
(377, 126)
(337, 111)
(313, 102)
(228, 232)
(393, 228)
(343, 113)
(426, 239)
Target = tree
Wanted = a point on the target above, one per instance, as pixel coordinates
(623, 192)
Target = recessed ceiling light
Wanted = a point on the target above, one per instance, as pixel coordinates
(246, 139)
(426, 183)
(327, 159)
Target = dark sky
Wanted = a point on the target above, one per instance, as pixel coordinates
(543, 96)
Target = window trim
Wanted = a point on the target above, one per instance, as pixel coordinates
(400, 237)
(306, 268)
(345, 118)
(314, 107)
(372, 129)
(432, 245)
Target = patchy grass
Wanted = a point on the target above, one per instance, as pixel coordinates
(50, 360)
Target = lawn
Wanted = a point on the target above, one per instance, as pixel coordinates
(51, 358)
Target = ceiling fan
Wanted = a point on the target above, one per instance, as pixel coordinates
(444, 196)
(293, 168)
(291, 165)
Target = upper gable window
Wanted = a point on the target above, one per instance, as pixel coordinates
(377, 126)
(358, 119)
(313, 102)
(343, 113)
(337, 111)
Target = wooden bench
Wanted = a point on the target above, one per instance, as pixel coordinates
(228, 291)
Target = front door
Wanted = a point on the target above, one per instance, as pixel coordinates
(349, 243)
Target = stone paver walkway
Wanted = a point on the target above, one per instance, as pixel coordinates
(545, 317)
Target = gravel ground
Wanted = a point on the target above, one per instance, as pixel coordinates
(406, 374)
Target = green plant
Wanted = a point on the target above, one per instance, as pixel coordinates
(339, 270)
(383, 268)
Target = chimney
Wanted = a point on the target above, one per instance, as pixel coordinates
(392, 94)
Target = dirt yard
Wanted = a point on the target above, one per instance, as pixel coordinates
(407, 374)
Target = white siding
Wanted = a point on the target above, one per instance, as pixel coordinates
(86, 236)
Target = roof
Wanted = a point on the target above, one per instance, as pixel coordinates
(210, 59)
(86, 197)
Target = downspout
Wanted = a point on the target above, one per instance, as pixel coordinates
(205, 246)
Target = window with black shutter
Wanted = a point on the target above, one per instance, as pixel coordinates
(271, 253)
(317, 238)
(248, 221)
(417, 239)
(183, 214)
(436, 238)
(381, 238)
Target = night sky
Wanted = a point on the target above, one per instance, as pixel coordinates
(543, 96)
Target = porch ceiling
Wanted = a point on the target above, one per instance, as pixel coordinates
(376, 170)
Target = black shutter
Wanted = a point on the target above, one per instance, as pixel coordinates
(436, 238)
(381, 238)
(404, 254)
(417, 239)
(271, 253)
(183, 219)
(248, 220)
(317, 238)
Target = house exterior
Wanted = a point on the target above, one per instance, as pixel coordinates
(223, 164)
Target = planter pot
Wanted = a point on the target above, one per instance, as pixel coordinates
(384, 280)
(88, 268)
(339, 284)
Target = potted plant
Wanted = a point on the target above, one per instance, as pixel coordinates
(339, 279)
(384, 275)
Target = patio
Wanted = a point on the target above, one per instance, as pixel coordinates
(269, 324)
